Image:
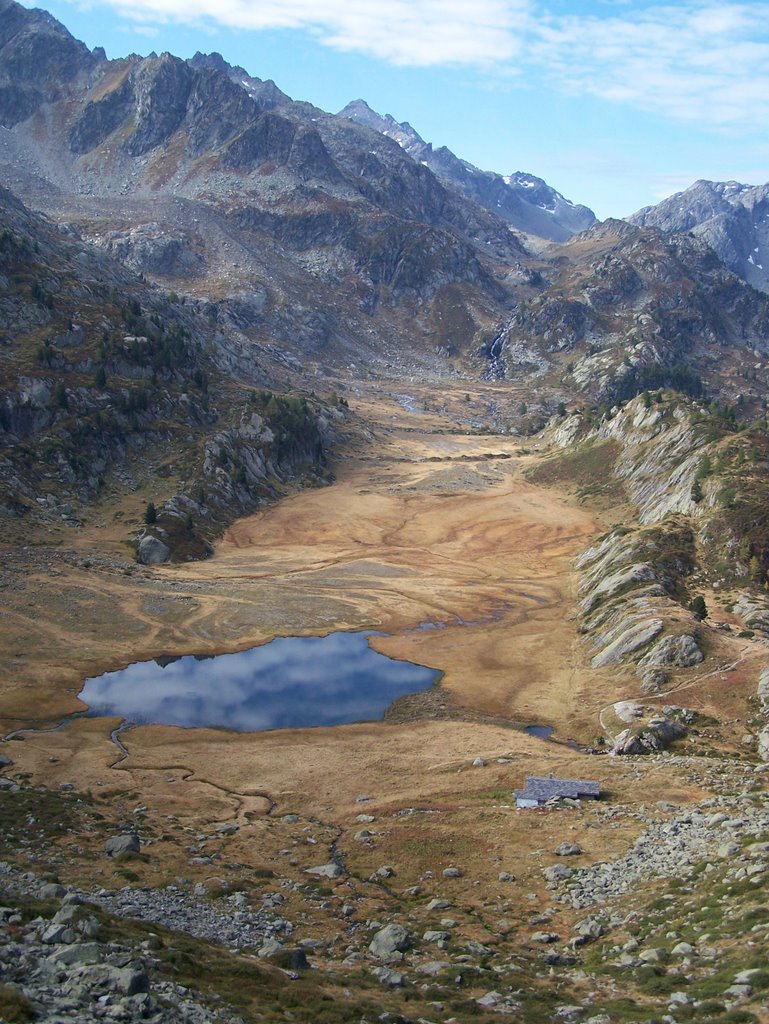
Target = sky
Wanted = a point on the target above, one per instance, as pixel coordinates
(615, 103)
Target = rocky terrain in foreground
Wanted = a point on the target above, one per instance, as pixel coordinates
(592, 945)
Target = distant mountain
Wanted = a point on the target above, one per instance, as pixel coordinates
(266, 95)
(526, 202)
(326, 238)
(319, 242)
(732, 218)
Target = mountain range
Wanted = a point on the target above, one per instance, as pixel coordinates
(526, 202)
(312, 244)
(345, 238)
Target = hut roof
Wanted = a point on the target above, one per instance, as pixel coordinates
(543, 788)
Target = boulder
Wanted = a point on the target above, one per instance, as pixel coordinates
(567, 850)
(393, 938)
(490, 999)
(128, 843)
(76, 954)
(385, 871)
(331, 870)
(152, 551)
(129, 981)
(55, 933)
(557, 873)
(289, 959)
(433, 967)
(269, 947)
(653, 956)
(390, 978)
(763, 694)
(52, 891)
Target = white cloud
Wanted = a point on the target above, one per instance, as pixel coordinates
(418, 33)
(702, 61)
(697, 62)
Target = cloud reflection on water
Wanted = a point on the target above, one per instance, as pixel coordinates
(288, 683)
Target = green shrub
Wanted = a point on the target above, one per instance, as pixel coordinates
(14, 1005)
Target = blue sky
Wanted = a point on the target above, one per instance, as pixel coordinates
(616, 103)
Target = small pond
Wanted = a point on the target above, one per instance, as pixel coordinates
(291, 682)
(542, 732)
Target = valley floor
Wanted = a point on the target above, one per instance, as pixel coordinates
(433, 536)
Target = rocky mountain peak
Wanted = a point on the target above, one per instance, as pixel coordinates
(401, 131)
(729, 216)
(265, 94)
(526, 202)
(38, 58)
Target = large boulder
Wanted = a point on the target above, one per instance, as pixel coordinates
(391, 939)
(128, 843)
(152, 551)
(331, 870)
(763, 693)
(557, 873)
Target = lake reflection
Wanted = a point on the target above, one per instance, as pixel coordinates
(290, 682)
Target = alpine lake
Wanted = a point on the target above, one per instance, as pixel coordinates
(288, 683)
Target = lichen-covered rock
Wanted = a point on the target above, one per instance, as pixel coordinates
(128, 843)
(754, 611)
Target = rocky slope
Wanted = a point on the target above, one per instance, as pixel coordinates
(106, 383)
(677, 919)
(625, 309)
(526, 202)
(732, 218)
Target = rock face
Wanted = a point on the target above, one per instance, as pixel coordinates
(152, 378)
(681, 651)
(528, 203)
(753, 609)
(322, 214)
(633, 308)
(729, 216)
(628, 584)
